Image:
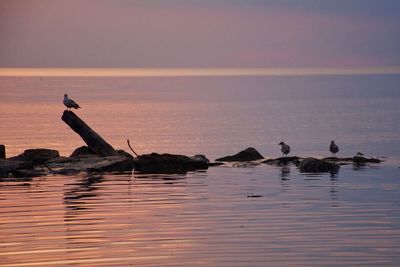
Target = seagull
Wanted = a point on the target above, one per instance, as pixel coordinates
(69, 103)
(284, 148)
(333, 148)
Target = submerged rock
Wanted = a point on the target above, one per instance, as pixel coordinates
(124, 153)
(282, 161)
(249, 154)
(37, 156)
(169, 163)
(361, 160)
(11, 167)
(335, 159)
(317, 165)
(90, 163)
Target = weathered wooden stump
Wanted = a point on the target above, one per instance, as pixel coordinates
(93, 140)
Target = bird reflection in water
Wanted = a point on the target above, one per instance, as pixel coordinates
(285, 172)
(284, 181)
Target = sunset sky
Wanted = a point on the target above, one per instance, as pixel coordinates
(199, 33)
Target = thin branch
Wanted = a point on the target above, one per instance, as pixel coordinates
(131, 148)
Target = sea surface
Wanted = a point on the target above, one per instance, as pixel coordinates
(225, 216)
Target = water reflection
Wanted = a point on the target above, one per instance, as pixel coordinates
(75, 198)
(285, 172)
(164, 178)
(201, 219)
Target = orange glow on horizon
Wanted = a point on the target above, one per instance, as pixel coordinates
(194, 72)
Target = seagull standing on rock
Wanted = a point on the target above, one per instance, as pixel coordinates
(285, 148)
(333, 148)
(69, 103)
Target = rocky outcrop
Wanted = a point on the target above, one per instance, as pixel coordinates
(14, 168)
(37, 156)
(169, 163)
(249, 154)
(314, 165)
(338, 160)
(282, 161)
(82, 151)
(90, 163)
(363, 160)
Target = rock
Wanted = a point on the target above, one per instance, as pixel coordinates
(213, 164)
(113, 164)
(26, 173)
(90, 163)
(244, 164)
(82, 151)
(335, 159)
(200, 157)
(317, 165)
(168, 163)
(2, 152)
(362, 160)
(249, 154)
(37, 156)
(124, 153)
(7, 166)
(282, 161)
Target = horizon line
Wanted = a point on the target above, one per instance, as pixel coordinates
(195, 72)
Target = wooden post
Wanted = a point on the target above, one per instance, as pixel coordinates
(94, 141)
(2, 152)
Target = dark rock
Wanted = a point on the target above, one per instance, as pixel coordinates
(168, 163)
(335, 159)
(317, 165)
(249, 154)
(2, 152)
(282, 161)
(124, 153)
(200, 157)
(37, 156)
(244, 164)
(90, 163)
(113, 164)
(7, 166)
(82, 151)
(361, 160)
(26, 173)
(213, 164)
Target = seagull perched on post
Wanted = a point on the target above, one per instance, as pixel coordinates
(333, 148)
(69, 103)
(285, 148)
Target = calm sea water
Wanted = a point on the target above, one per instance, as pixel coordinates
(225, 216)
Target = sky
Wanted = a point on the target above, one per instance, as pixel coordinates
(199, 33)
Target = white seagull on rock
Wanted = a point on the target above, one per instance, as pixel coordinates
(69, 103)
(285, 148)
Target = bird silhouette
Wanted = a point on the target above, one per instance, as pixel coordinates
(333, 148)
(69, 103)
(285, 148)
